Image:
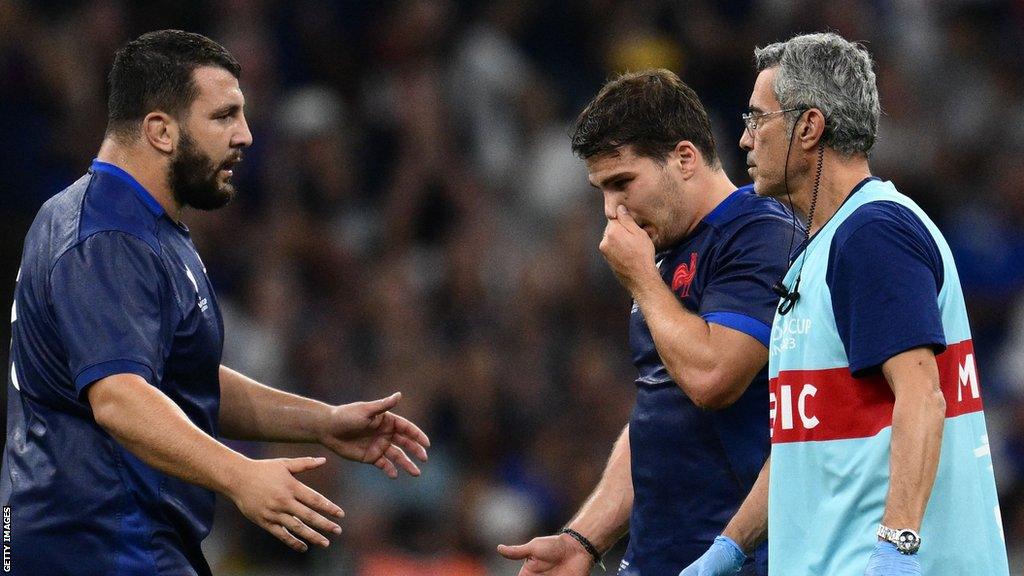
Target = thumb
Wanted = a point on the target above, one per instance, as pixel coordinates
(625, 218)
(296, 465)
(384, 404)
(514, 552)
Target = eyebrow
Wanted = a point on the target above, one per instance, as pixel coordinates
(227, 109)
(754, 109)
(613, 177)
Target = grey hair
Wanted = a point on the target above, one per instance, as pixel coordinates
(827, 72)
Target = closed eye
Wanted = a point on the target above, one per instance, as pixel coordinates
(227, 112)
(619, 184)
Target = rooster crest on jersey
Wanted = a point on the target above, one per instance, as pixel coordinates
(683, 276)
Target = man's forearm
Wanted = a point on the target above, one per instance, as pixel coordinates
(712, 364)
(917, 420)
(604, 517)
(675, 328)
(251, 411)
(153, 428)
(749, 526)
(915, 446)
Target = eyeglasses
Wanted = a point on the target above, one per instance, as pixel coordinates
(752, 120)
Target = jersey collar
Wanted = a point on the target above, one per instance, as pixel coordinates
(140, 191)
(803, 245)
(717, 214)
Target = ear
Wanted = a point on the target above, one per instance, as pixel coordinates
(810, 129)
(160, 131)
(687, 157)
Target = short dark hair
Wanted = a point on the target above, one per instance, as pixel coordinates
(651, 110)
(154, 72)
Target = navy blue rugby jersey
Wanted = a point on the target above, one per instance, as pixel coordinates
(109, 284)
(692, 468)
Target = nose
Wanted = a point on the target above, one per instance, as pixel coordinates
(242, 138)
(611, 203)
(746, 140)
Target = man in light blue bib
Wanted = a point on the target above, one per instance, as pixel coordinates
(880, 461)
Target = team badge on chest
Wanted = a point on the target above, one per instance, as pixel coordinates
(682, 278)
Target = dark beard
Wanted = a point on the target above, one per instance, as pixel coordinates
(193, 178)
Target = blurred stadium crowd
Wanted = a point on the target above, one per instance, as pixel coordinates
(410, 218)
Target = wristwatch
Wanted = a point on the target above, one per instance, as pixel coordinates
(905, 540)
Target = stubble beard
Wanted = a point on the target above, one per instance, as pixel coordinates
(193, 178)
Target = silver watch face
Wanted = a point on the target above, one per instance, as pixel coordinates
(907, 541)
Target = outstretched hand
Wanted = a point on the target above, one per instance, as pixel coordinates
(550, 556)
(268, 494)
(369, 432)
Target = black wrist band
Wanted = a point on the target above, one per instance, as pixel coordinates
(587, 545)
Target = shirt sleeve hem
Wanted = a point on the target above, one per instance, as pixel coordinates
(861, 367)
(101, 370)
(752, 327)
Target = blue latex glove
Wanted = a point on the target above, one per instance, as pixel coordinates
(723, 558)
(886, 560)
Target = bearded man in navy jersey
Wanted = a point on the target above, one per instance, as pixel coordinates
(116, 391)
(700, 257)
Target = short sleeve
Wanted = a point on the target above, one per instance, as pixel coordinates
(885, 272)
(739, 294)
(109, 297)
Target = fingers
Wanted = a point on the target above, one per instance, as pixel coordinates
(626, 219)
(613, 229)
(285, 536)
(300, 530)
(623, 220)
(392, 455)
(387, 466)
(413, 433)
(276, 501)
(398, 456)
(603, 246)
(320, 503)
(311, 519)
(302, 523)
(406, 434)
(384, 404)
(409, 444)
(296, 465)
(607, 229)
(519, 552)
